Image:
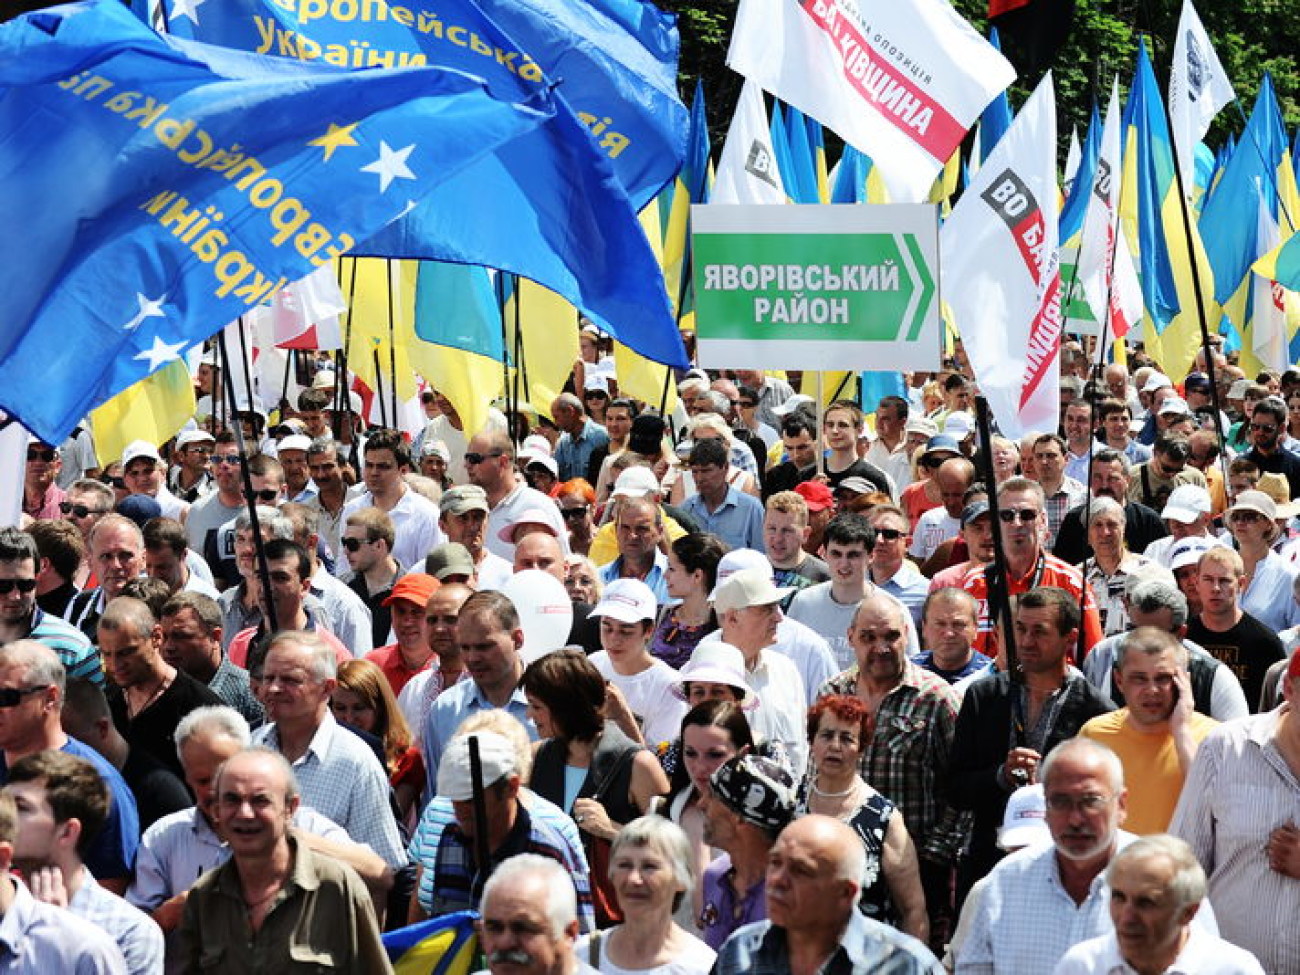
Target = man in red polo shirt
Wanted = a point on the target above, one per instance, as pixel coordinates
(411, 653)
(1022, 508)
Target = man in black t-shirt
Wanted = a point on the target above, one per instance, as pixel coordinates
(1232, 636)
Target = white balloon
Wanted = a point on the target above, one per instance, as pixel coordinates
(545, 611)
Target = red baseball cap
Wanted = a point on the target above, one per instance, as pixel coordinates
(414, 588)
(816, 494)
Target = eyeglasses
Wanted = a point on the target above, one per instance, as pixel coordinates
(13, 696)
(473, 458)
(118, 482)
(266, 494)
(79, 510)
(746, 403)
(22, 585)
(1090, 803)
(889, 534)
(1245, 516)
(1024, 515)
(231, 460)
(574, 514)
(1264, 427)
(352, 544)
(46, 454)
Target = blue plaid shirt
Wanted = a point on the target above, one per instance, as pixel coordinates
(458, 883)
(866, 948)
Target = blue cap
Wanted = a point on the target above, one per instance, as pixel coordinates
(942, 442)
(139, 508)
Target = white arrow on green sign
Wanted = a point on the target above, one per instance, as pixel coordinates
(830, 287)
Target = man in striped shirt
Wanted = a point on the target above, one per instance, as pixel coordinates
(22, 619)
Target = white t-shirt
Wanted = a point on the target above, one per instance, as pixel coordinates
(932, 529)
(696, 958)
(817, 609)
(650, 696)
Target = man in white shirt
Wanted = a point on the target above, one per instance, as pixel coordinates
(415, 518)
(1156, 888)
(490, 462)
(954, 478)
(748, 609)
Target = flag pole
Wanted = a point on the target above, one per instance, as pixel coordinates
(996, 577)
(821, 440)
(392, 343)
(1201, 312)
(259, 546)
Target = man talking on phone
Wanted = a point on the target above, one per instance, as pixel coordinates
(1158, 731)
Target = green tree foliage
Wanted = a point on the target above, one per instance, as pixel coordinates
(1250, 36)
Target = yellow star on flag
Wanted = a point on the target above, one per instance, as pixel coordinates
(337, 137)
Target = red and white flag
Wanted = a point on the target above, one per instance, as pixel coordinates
(900, 80)
(1001, 271)
(305, 314)
(1107, 274)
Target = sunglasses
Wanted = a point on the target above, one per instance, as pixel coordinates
(266, 494)
(889, 534)
(573, 514)
(118, 482)
(352, 544)
(22, 585)
(1261, 427)
(13, 696)
(746, 403)
(473, 458)
(1025, 515)
(40, 453)
(79, 510)
(233, 460)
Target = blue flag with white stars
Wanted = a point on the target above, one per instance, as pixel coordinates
(156, 189)
(557, 206)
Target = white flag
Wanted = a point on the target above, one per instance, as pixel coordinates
(1198, 88)
(901, 81)
(1269, 330)
(1001, 272)
(1106, 272)
(1073, 159)
(747, 169)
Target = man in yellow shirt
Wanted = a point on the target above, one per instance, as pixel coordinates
(1157, 734)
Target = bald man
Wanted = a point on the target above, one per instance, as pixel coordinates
(814, 875)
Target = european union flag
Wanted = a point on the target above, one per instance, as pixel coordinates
(559, 207)
(157, 189)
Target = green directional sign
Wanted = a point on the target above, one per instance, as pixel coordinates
(834, 287)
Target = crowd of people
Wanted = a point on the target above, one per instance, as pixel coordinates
(280, 685)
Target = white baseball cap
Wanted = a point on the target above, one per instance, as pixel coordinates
(529, 516)
(140, 448)
(739, 559)
(746, 588)
(295, 441)
(496, 757)
(1156, 381)
(1188, 551)
(628, 601)
(1186, 503)
(636, 482)
(1025, 821)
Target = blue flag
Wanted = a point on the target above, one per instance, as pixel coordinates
(157, 189)
(559, 206)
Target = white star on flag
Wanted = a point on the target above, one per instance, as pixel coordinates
(390, 165)
(186, 8)
(149, 308)
(160, 353)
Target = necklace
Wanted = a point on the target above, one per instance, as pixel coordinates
(835, 795)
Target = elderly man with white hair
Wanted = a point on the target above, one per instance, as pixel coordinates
(1156, 889)
(529, 919)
